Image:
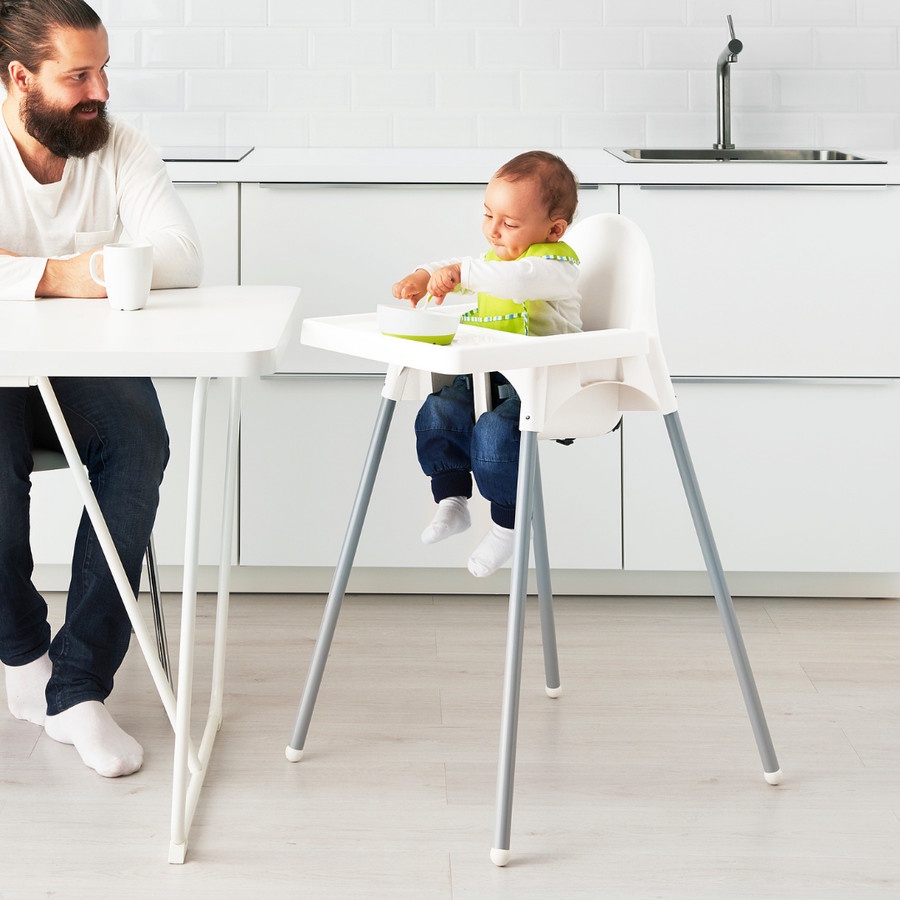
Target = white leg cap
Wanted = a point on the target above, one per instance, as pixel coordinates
(773, 777)
(292, 754)
(553, 692)
(499, 857)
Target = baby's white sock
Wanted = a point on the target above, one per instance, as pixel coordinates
(495, 549)
(25, 689)
(452, 517)
(100, 743)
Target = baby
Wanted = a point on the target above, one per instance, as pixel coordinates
(526, 283)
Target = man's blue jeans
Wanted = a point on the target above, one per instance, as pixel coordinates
(121, 437)
(452, 447)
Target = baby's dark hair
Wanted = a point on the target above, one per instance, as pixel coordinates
(26, 29)
(559, 187)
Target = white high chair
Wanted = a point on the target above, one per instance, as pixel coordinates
(571, 386)
(47, 460)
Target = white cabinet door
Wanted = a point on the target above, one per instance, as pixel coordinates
(214, 208)
(774, 281)
(344, 245)
(304, 441)
(796, 477)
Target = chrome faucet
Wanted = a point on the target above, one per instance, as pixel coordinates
(723, 90)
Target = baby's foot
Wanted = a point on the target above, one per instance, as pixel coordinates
(25, 689)
(100, 743)
(451, 518)
(495, 549)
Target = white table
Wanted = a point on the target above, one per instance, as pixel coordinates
(201, 333)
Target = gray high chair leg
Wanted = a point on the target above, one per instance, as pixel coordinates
(512, 678)
(294, 750)
(771, 770)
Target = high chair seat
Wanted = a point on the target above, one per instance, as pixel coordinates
(570, 386)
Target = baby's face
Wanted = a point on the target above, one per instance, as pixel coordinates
(515, 217)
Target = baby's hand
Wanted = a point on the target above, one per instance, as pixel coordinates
(443, 281)
(413, 287)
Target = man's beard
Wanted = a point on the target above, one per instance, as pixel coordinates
(60, 130)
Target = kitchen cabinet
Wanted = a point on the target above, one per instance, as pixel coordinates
(774, 279)
(214, 208)
(798, 475)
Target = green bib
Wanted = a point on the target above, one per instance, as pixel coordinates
(511, 315)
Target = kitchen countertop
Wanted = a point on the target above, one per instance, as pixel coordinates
(474, 166)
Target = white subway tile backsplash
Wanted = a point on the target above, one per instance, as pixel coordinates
(268, 128)
(646, 91)
(140, 90)
(350, 49)
(814, 12)
(304, 91)
(226, 90)
(519, 131)
(822, 90)
(226, 12)
(516, 72)
(477, 12)
(181, 48)
(435, 130)
(645, 12)
(415, 49)
(160, 12)
(361, 130)
(478, 91)
(185, 130)
(388, 91)
(562, 13)
(601, 49)
(864, 48)
(562, 91)
(743, 13)
(879, 12)
(392, 12)
(855, 133)
(269, 48)
(520, 48)
(590, 129)
(309, 12)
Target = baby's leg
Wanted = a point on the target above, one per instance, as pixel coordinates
(451, 518)
(495, 549)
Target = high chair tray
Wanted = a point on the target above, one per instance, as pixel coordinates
(473, 349)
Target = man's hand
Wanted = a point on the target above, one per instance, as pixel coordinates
(412, 287)
(70, 278)
(443, 281)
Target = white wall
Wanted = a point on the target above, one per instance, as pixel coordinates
(468, 73)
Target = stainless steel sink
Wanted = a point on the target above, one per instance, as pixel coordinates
(701, 154)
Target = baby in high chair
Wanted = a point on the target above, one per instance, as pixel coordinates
(527, 283)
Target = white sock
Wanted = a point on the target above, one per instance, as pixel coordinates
(25, 689)
(452, 517)
(495, 549)
(100, 743)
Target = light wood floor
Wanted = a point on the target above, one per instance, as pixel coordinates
(641, 781)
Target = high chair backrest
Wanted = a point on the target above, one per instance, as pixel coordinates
(616, 273)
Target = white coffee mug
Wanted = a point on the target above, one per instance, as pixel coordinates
(127, 273)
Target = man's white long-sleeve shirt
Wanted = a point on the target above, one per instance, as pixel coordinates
(120, 192)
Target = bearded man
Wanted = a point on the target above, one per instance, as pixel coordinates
(71, 180)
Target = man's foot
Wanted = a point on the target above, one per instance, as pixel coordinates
(495, 549)
(25, 689)
(100, 743)
(451, 518)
